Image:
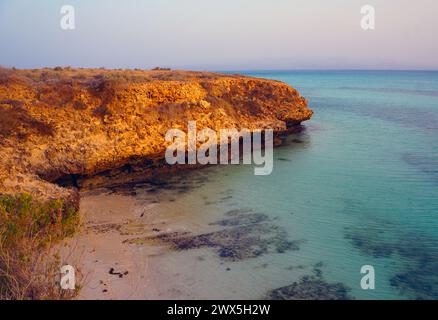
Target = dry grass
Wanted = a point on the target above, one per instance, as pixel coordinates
(88, 76)
(29, 230)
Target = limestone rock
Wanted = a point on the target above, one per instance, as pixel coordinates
(84, 121)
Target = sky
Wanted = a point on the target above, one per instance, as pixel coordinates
(220, 34)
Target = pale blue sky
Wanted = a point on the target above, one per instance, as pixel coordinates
(220, 34)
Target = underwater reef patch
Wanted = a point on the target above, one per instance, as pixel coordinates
(418, 277)
(423, 162)
(311, 287)
(245, 235)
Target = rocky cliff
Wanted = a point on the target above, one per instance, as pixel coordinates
(60, 122)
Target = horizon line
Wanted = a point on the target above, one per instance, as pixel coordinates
(231, 69)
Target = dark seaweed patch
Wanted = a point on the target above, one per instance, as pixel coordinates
(370, 245)
(235, 212)
(238, 243)
(242, 219)
(223, 199)
(300, 267)
(424, 163)
(311, 287)
(245, 236)
(418, 277)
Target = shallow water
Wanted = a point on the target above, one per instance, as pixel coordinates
(359, 186)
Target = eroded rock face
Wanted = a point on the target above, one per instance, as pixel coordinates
(55, 123)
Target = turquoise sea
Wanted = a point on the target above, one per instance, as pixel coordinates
(364, 184)
(358, 186)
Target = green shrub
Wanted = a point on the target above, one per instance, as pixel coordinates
(28, 231)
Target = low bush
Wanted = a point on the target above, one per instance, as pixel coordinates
(29, 230)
